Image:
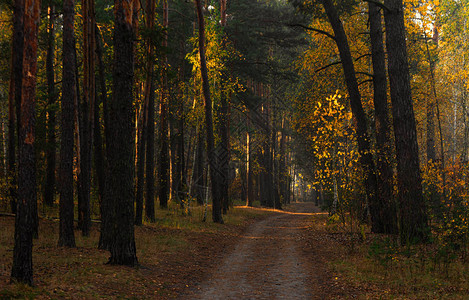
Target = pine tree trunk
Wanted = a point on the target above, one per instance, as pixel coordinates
(224, 163)
(66, 233)
(120, 188)
(216, 198)
(249, 174)
(150, 120)
(26, 215)
(14, 97)
(282, 175)
(198, 178)
(150, 159)
(141, 162)
(164, 161)
(104, 237)
(431, 153)
(180, 159)
(412, 210)
(49, 188)
(384, 212)
(87, 121)
(98, 157)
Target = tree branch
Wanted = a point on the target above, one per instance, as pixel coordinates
(364, 73)
(365, 81)
(313, 29)
(327, 66)
(362, 56)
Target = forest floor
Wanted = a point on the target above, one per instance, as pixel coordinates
(296, 253)
(258, 253)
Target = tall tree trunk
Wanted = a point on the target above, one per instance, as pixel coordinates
(14, 97)
(198, 174)
(173, 153)
(164, 163)
(366, 158)
(224, 163)
(179, 153)
(413, 216)
(249, 166)
(274, 161)
(150, 159)
(141, 162)
(99, 159)
(102, 82)
(149, 99)
(282, 175)
(22, 269)
(49, 189)
(431, 153)
(216, 198)
(464, 155)
(105, 234)
(385, 210)
(87, 121)
(120, 188)
(66, 233)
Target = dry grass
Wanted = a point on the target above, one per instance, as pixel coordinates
(174, 254)
(379, 269)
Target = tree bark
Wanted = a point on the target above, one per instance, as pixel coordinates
(249, 173)
(120, 189)
(150, 120)
(385, 210)
(282, 175)
(224, 163)
(150, 159)
(49, 188)
(216, 198)
(198, 174)
(141, 162)
(366, 158)
(66, 233)
(14, 97)
(99, 159)
(104, 237)
(431, 153)
(412, 210)
(87, 121)
(164, 162)
(26, 215)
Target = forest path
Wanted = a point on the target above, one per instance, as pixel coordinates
(270, 262)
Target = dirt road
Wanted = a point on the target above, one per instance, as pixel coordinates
(270, 262)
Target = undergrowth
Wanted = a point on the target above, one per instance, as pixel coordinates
(171, 250)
